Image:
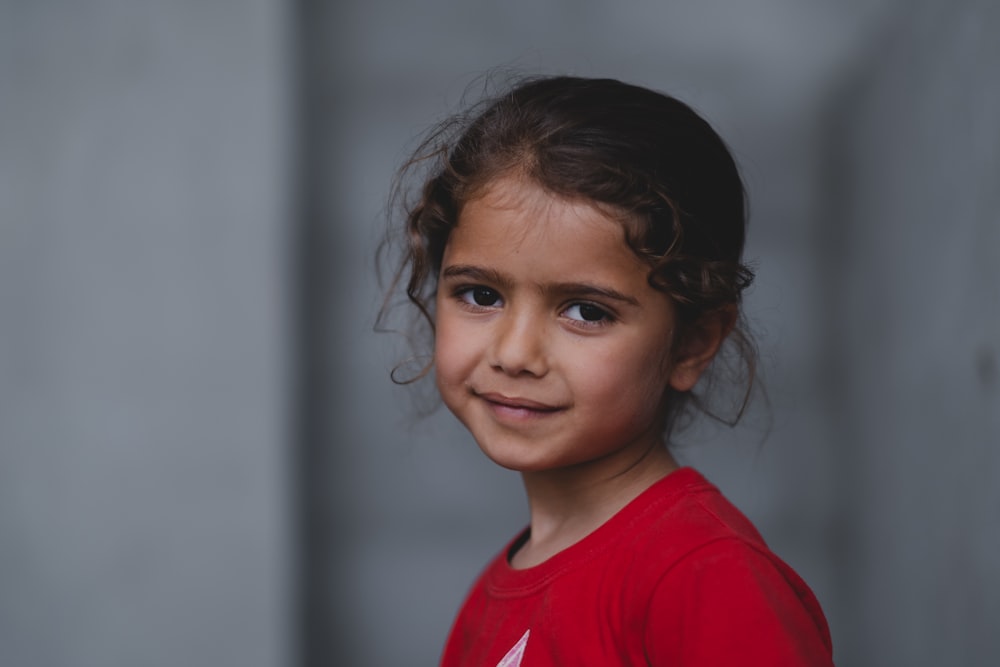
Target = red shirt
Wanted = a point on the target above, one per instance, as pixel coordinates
(678, 577)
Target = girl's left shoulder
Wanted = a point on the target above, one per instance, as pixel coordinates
(714, 590)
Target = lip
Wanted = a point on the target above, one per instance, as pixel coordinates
(515, 406)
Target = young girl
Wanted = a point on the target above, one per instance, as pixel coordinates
(576, 249)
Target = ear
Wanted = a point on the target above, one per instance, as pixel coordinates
(699, 346)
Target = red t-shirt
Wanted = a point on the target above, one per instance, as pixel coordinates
(678, 577)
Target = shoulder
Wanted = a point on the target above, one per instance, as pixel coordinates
(718, 595)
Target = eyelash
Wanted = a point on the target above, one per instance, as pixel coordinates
(467, 295)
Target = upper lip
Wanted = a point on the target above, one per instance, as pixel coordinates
(515, 402)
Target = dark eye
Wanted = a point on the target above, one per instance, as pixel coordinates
(480, 296)
(587, 312)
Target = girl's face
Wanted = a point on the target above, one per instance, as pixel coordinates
(551, 346)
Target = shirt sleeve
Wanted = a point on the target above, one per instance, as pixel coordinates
(729, 604)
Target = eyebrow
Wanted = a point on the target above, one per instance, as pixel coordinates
(494, 277)
(476, 273)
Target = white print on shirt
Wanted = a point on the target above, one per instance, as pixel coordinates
(514, 655)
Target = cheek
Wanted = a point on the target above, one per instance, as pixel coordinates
(443, 352)
(632, 379)
(452, 353)
(445, 373)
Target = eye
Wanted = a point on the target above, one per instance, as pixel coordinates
(587, 312)
(479, 296)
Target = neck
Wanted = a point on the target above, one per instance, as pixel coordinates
(570, 503)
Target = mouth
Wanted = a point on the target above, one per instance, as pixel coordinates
(516, 407)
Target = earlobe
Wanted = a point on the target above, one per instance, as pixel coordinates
(700, 345)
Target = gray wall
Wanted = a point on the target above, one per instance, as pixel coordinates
(190, 401)
(144, 459)
(914, 229)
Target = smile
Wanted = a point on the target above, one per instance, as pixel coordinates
(517, 408)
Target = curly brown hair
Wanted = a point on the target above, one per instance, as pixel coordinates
(642, 154)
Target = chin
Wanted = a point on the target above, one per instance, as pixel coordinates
(516, 461)
(523, 462)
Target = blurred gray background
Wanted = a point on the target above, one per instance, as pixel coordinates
(202, 460)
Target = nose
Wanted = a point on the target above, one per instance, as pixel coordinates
(519, 346)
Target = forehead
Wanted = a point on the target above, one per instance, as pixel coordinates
(515, 222)
(515, 204)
